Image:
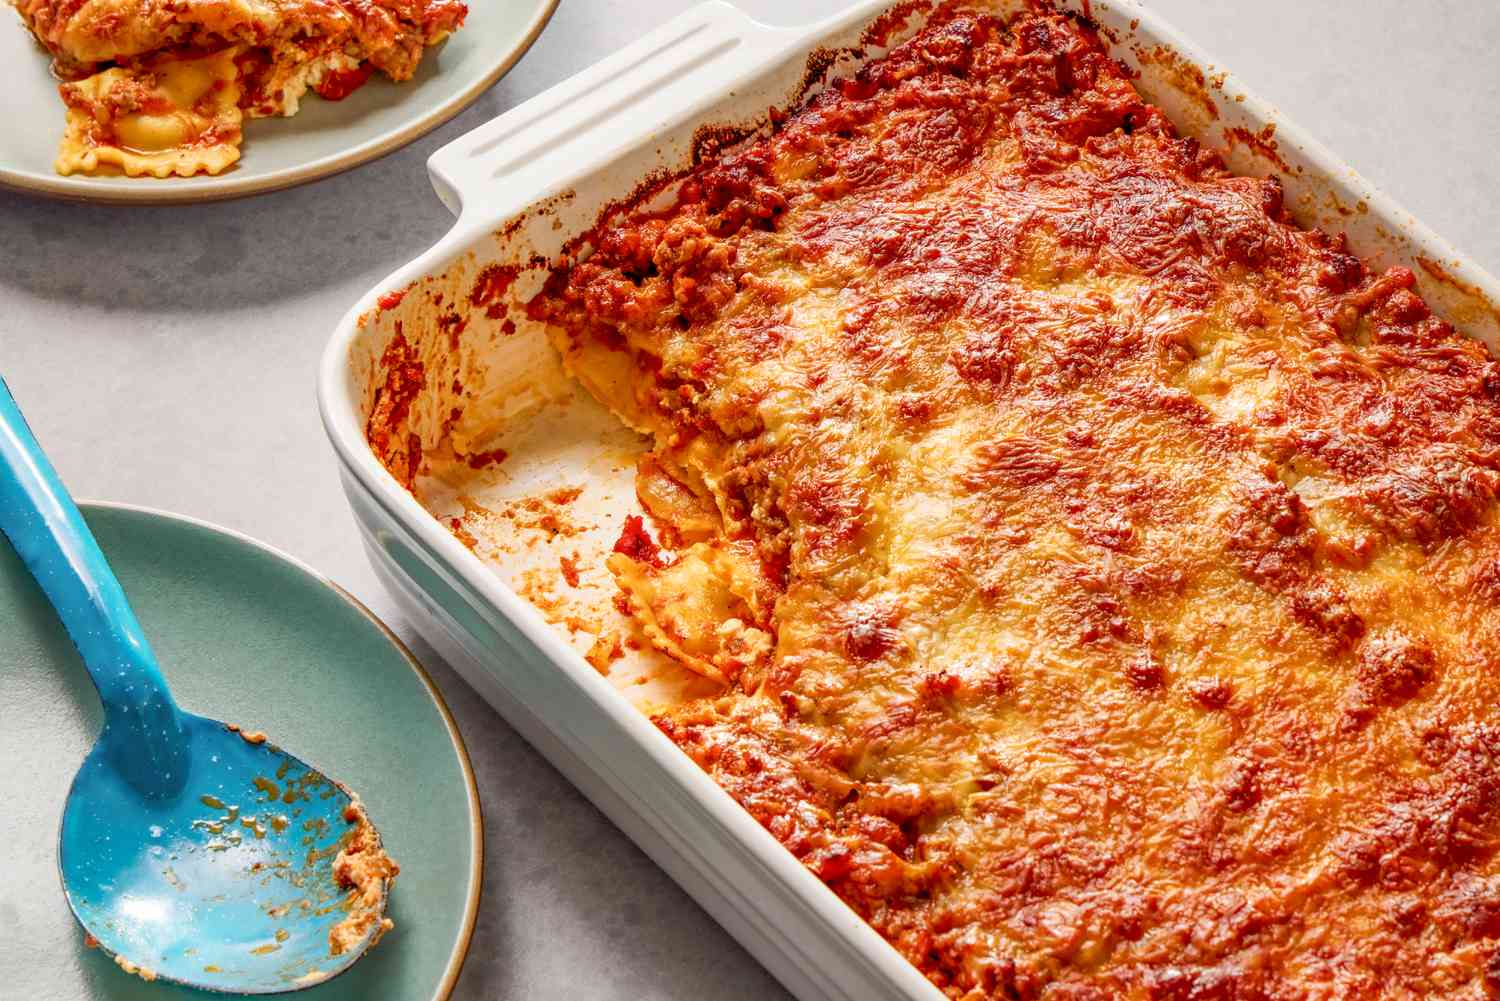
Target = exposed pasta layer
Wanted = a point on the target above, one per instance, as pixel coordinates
(1126, 558)
(279, 49)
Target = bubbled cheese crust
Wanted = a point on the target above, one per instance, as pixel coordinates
(1135, 552)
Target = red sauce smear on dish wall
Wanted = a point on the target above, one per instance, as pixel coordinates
(490, 288)
(405, 378)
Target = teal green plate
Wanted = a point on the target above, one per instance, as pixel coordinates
(248, 636)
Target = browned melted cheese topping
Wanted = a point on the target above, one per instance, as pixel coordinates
(1106, 568)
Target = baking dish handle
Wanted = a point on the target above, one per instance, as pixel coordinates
(650, 86)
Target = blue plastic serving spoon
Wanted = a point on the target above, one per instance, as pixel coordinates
(189, 851)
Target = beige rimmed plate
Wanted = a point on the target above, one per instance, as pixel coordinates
(325, 137)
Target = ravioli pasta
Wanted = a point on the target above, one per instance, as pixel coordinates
(178, 116)
(160, 87)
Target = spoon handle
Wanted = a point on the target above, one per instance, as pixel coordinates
(47, 530)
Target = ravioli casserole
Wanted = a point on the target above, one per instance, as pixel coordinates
(161, 87)
(1102, 572)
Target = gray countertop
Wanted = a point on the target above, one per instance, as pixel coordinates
(166, 357)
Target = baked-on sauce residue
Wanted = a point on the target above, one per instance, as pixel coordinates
(490, 288)
(390, 300)
(405, 377)
(1108, 589)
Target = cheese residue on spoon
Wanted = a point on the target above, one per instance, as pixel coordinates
(143, 972)
(367, 872)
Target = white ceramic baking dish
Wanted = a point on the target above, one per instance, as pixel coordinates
(521, 186)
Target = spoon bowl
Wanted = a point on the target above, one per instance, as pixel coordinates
(190, 850)
(228, 882)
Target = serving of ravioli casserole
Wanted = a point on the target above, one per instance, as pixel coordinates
(1102, 572)
(161, 87)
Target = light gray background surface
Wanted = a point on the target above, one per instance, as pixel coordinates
(166, 357)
